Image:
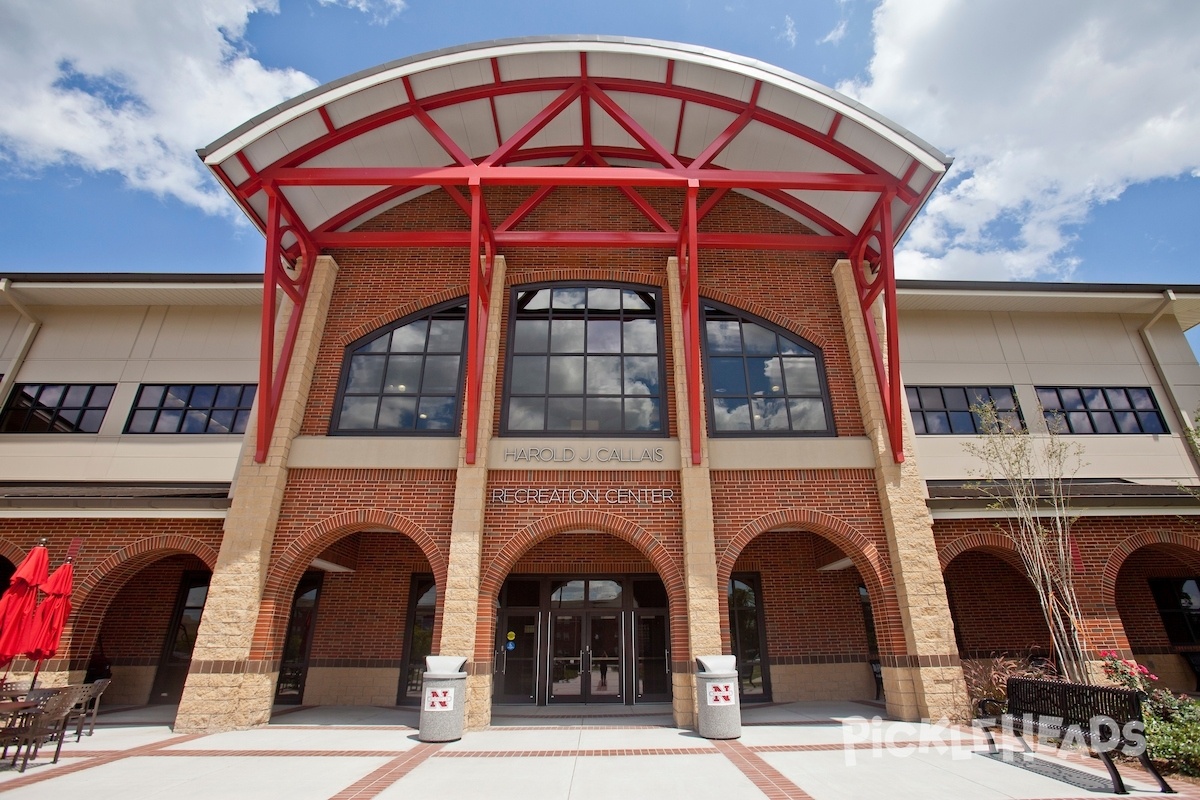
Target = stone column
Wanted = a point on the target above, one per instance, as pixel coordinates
(927, 682)
(225, 690)
(460, 604)
(703, 610)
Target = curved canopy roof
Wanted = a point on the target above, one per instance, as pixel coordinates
(574, 111)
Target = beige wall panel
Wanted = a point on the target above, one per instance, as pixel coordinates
(205, 333)
(847, 452)
(358, 686)
(1075, 339)
(795, 682)
(12, 328)
(45, 457)
(374, 452)
(75, 335)
(966, 337)
(1138, 458)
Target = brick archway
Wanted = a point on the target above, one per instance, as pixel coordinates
(95, 592)
(867, 559)
(15, 555)
(494, 573)
(994, 542)
(287, 568)
(1108, 580)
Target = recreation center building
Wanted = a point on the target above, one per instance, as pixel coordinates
(580, 357)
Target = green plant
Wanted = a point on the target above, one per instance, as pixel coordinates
(1172, 721)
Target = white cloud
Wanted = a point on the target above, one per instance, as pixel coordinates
(132, 86)
(1048, 108)
(381, 11)
(836, 35)
(789, 30)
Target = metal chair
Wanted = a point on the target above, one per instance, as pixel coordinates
(47, 722)
(88, 706)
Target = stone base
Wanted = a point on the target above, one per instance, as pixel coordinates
(479, 702)
(1172, 670)
(130, 686)
(351, 686)
(683, 700)
(926, 693)
(214, 702)
(793, 682)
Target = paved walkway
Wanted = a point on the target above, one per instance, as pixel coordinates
(827, 751)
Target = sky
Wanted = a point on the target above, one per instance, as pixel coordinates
(1074, 124)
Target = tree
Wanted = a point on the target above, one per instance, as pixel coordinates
(1028, 477)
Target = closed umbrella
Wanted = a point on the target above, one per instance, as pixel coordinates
(44, 633)
(18, 603)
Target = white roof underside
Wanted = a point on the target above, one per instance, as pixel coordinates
(684, 128)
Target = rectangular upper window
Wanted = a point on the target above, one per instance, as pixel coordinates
(1086, 409)
(952, 409)
(56, 407)
(1178, 601)
(191, 408)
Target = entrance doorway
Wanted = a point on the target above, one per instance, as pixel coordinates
(594, 639)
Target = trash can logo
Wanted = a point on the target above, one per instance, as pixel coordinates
(722, 694)
(439, 699)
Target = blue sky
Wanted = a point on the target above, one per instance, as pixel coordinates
(1075, 126)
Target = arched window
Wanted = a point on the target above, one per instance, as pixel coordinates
(405, 378)
(584, 360)
(761, 379)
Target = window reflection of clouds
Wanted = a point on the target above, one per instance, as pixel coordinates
(566, 336)
(527, 413)
(366, 374)
(641, 375)
(358, 413)
(641, 336)
(758, 339)
(769, 415)
(732, 414)
(441, 374)
(641, 414)
(766, 376)
(808, 414)
(724, 336)
(570, 298)
(411, 338)
(435, 413)
(604, 375)
(566, 374)
(604, 413)
(529, 374)
(397, 413)
(603, 336)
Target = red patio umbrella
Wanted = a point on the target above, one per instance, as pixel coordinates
(46, 629)
(18, 603)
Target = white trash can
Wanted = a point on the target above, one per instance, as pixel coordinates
(718, 707)
(443, 699)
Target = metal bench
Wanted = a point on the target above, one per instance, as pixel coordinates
(1105, 718)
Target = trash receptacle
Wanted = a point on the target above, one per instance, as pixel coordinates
(443, 699)
(718, 709)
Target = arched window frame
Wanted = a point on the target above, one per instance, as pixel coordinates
(511, 353)
(818, 356)
(335, 425)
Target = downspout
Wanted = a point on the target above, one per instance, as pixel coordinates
(1185, 418)
(35, 324)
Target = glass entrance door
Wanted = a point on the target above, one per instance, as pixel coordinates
(652, 660)
(517, 657)
(585, 657)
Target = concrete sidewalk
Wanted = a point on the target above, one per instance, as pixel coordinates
(827, 751)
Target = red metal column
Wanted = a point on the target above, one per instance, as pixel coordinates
(689, 280)
(477, 319)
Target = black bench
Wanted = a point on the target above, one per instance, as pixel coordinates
(1099, 716)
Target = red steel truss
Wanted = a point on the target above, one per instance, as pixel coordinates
(289, 242)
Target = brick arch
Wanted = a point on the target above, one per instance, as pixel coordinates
(859, 548)
(994, 542)
(494, 573)
(775, 318)
(876, 573)
(1116, 559)
(9, 551)
(390, 316)
(94, 594)
(287, 568)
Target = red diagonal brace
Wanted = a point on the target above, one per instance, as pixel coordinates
(887, 373)
(272, 374)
